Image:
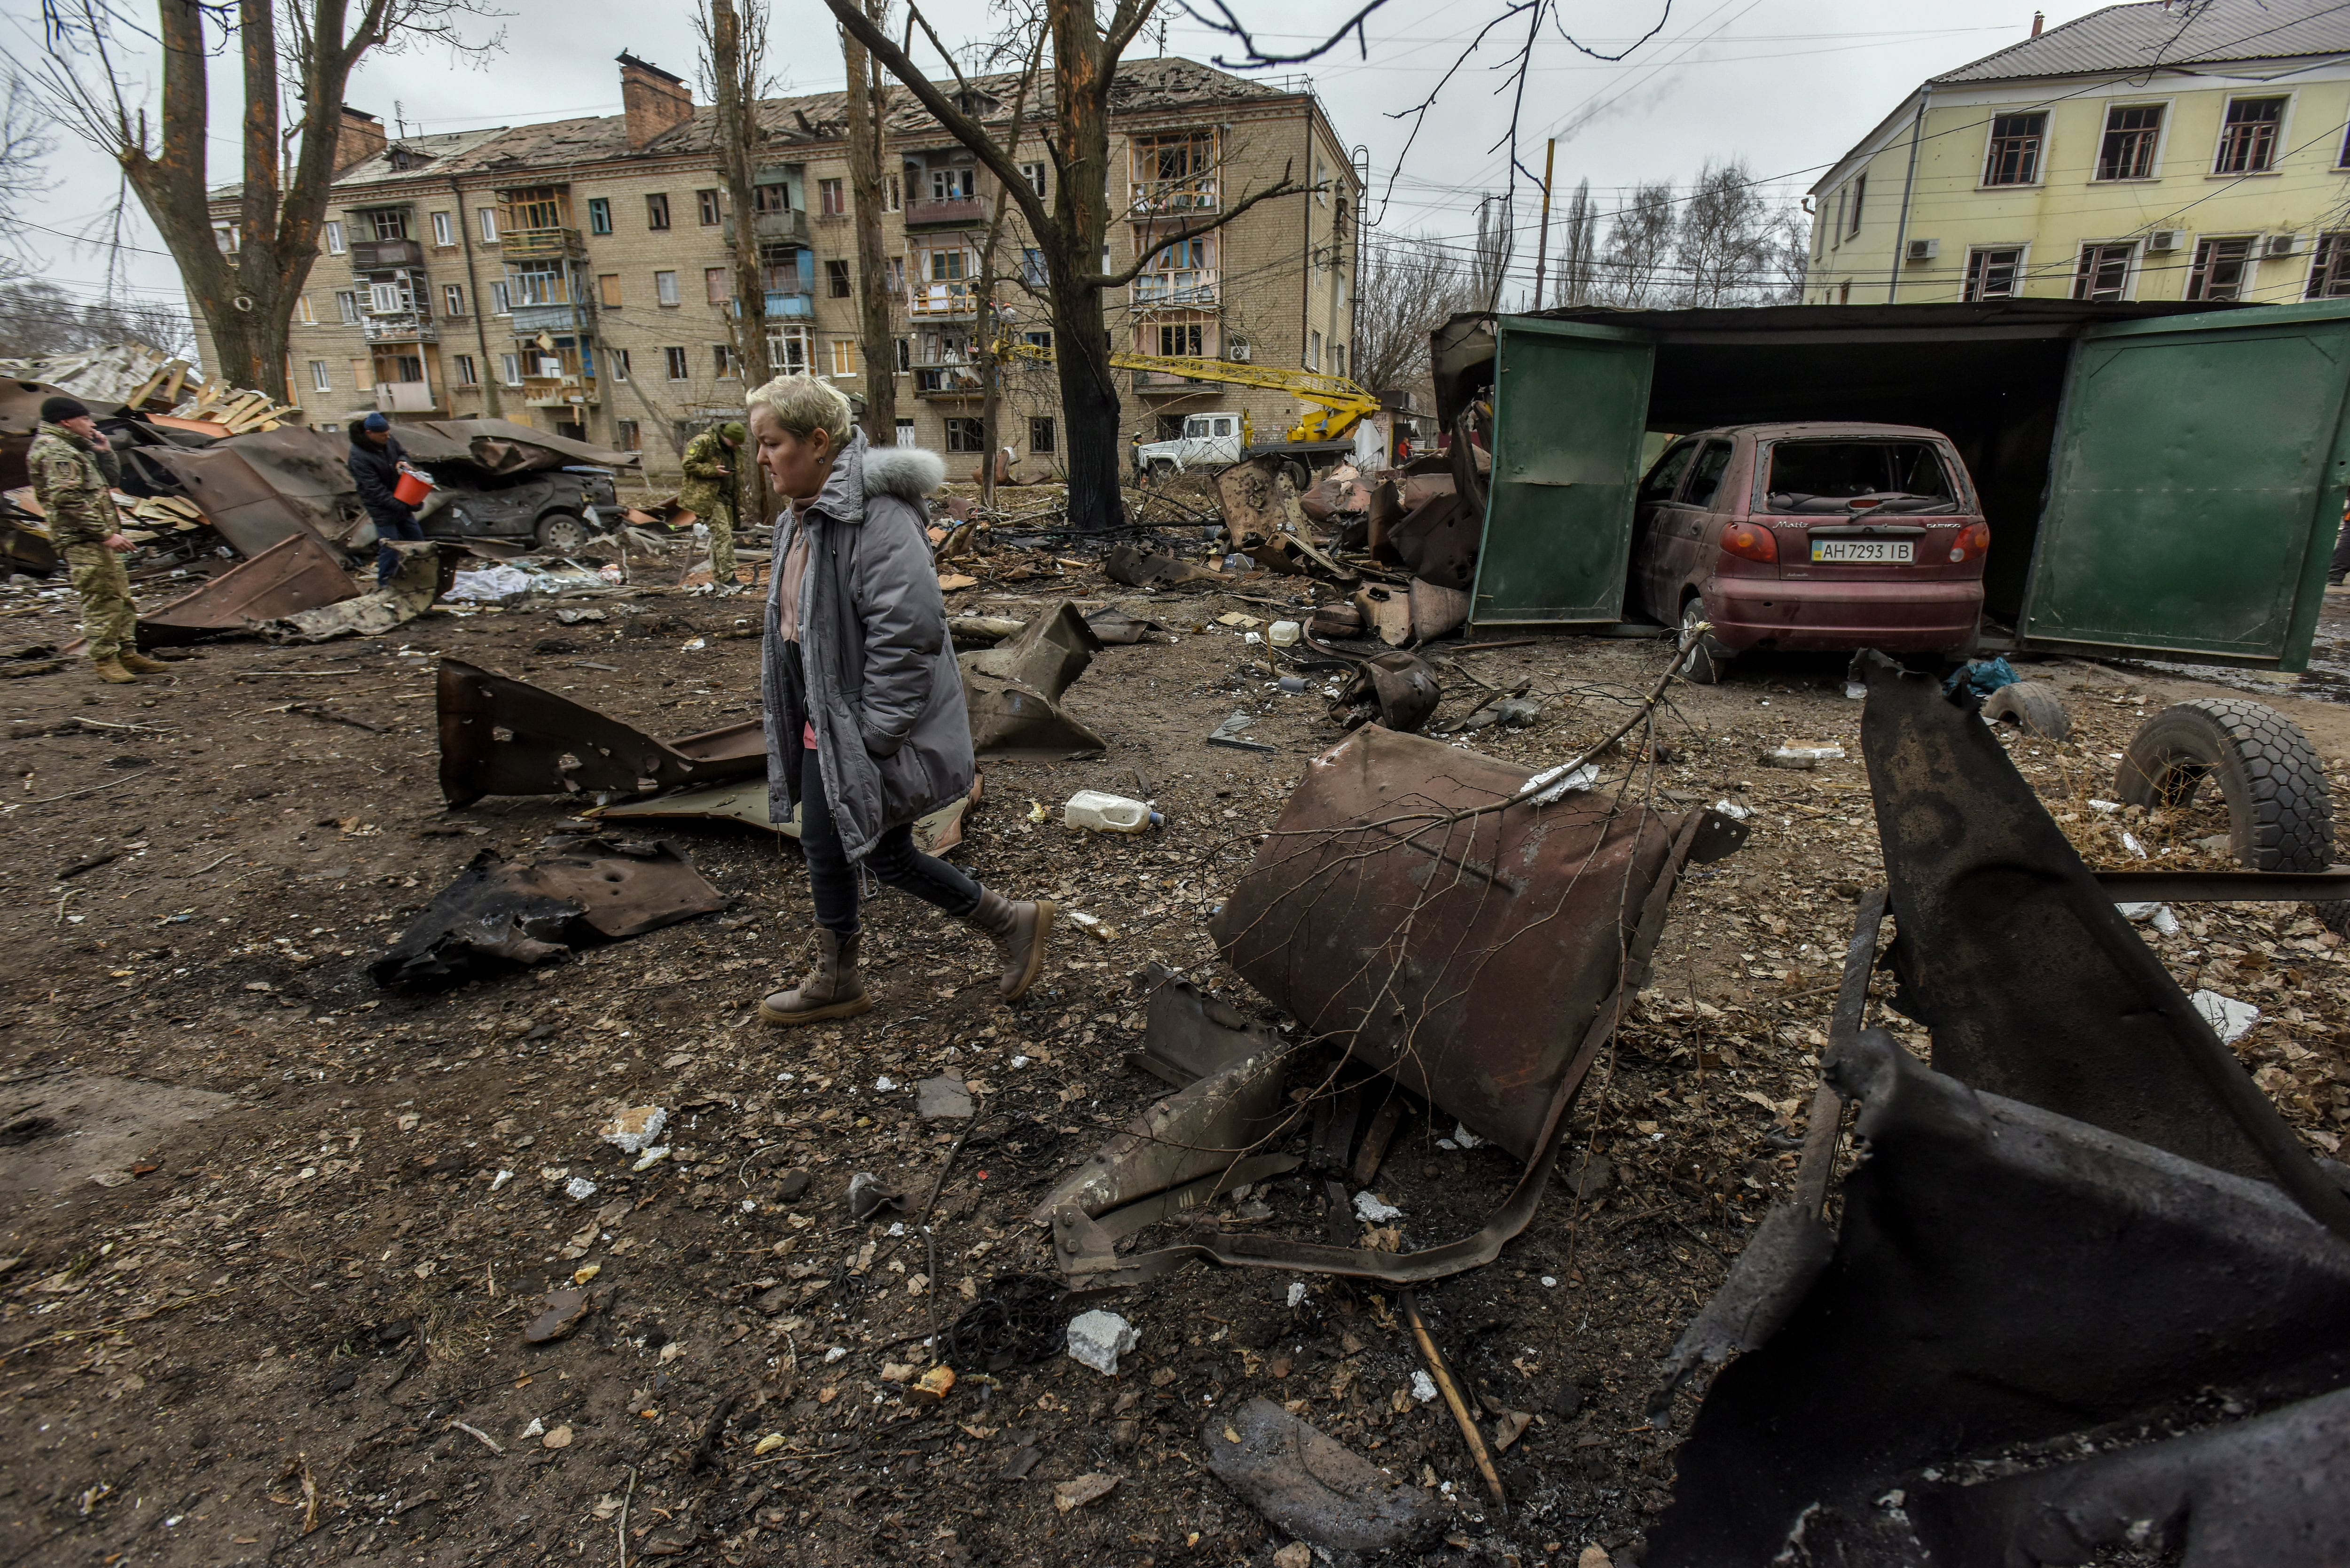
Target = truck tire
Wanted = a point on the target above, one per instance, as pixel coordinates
(2033, 706)
(562, 534)
(1707, 663)
(1161, 471)
(1301, 478)
(2279, 818)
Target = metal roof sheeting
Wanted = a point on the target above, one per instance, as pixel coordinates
(2160, 35)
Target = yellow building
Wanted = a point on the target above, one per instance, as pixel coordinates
(2194, 150)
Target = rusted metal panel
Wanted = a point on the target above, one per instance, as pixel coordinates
(1013, 691)
(246, 509)
(297, 573)
(1466, 955)
(503, 736)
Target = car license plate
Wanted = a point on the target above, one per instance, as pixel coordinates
(1889, 552)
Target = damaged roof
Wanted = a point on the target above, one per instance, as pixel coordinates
(2155, 35)
(443, 152)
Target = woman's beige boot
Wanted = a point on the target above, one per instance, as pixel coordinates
(830, 991)
(1021, 932)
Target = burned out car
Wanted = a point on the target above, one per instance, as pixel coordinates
(553, 510)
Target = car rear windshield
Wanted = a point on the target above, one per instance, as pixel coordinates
(1829, 475)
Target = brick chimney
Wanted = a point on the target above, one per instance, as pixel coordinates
(656, 101)
(360, 136)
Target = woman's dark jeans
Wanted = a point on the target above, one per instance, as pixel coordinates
(832, 879)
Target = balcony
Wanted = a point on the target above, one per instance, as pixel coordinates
(790, 305)
(404, 397)
(773, 228)
(381, 255)
(948, 378)
(965, 212)
(560, 391)
(541, 244)
(1158, 197)
(1189, 285)
(529, 320)
(930, 300)
(401, 326)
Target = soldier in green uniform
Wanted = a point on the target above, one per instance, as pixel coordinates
(74, 474)
(709, 494)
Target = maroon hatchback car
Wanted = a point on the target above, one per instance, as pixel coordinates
(1811, 536)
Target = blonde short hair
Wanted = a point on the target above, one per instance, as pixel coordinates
(804, 405)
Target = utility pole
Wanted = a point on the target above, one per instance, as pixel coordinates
(1542, 240)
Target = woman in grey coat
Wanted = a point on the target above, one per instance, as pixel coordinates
(867, 729)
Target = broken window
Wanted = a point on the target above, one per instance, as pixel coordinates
(1705, 477)
(1040, 432)
(2248, 142)
(966, 435)
(1034, 175)
(489, 223)
(1665, 477)
(707, 201)
(600, 214)
(892, 197)
(951, 184)
(2329, 272)
(775, 198)
(501, 299)
(1032, 268)
(844, 355)
(678, 370)
(904, 355)
(779, 268)
(334, 238)
(617, 358)
(318, 380)
(787, 350)
(1181, 274)
(835, 279)
(453, 300)
(1039, 339)
(2221, 269)
(716, 287)
(2014, 156)
(657, 211)
(1823, 475)
(665, 287)
(2102, 272)
(302, 312)
(831, 200)
(444, 230)
(510, 369)
(468, 373)
(1995, 273)
(2131, 132)
(898, 274)
(347, 304)
(1175, 172)
(628, 435)
(1313, 350)
(389, 222)
(1183, 340)
(608, 290)
(725, 364)
(541, 283)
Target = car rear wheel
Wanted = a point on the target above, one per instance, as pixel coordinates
(1706, 661)
(1161, 469)
(562, 534)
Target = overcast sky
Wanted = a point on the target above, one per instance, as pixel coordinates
(1787, 85)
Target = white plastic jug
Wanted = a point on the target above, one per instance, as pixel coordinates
(1105, 813)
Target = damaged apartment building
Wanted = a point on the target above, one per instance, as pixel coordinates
(577, 275)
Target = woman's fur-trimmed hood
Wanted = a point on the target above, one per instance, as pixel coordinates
(907, 473)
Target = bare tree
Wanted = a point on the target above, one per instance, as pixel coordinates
(25, 143)
(1488, 267)
(985, 329)
(734, 42)
(1576, 248)
(1636, 270)
(245, 288)
(867, 116)
(1086, 48)
(1409, 286)
(1724, 241)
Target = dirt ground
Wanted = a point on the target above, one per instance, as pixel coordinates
(265, 1274)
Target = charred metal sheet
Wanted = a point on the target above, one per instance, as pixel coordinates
(1396, 690)
(746, 803)
(2034, 986)
(425, 574)
(297, 573)
(1137, 569)
(499, 912)
(503, 736)
(244, 508)
(2011, 1291)
(1466, 954)
(1439, 541)
(1264, 521)
(1190, 1034)
(1013, 690)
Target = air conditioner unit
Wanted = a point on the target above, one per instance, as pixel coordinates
(1924, 250)
(1236, 351)
(2280, 245)
(2162, 240)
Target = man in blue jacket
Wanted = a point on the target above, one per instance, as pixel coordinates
(375, 461)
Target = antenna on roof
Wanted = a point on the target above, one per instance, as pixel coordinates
(1162, 36)
(399, 124)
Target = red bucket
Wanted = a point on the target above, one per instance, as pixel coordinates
(412, 489)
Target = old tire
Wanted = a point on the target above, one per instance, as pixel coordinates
(1708, 661)
(2033, 706)
(562, 534)
(1161, 471)
(2279, 818)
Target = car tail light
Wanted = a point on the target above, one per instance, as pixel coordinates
(1751, 542)
(1973, 540)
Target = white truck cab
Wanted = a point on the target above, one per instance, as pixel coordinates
(1207, 439)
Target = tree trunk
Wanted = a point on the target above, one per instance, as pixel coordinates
(736, 89)
(1081, 346)
(1089, 409)
(867, 110)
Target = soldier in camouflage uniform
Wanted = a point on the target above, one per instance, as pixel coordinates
(74, 474)
(709, 494)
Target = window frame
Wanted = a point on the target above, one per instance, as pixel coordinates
(628, 435)
(1044, 422)
(500, 299)
(334, 245)
(657, 215)
(510, 369)
(2279, 135)
(321, 379)
(2199, 267)
(726, 365)
(680, 366)
(2321, 255)
(1970, 279)
(666, 294)
(617, 358)
(452, 301)
(347, 305)
(966, 435)
(600, 214)
(1039, 175)
(718, 285)
(832, 199)
(843, 354)
(2084, 269)
(487, 219)
(837, 285)
(708, 208)
(2038, 137)
(609, 296)
(1858, 185)
(468, 374)
(444, 231)
(2159, 147)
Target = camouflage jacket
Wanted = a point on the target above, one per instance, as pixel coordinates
(72, 484)
(709, 476)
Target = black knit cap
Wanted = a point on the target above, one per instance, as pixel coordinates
(57, 410)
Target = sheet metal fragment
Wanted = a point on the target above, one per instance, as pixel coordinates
(503, 736)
